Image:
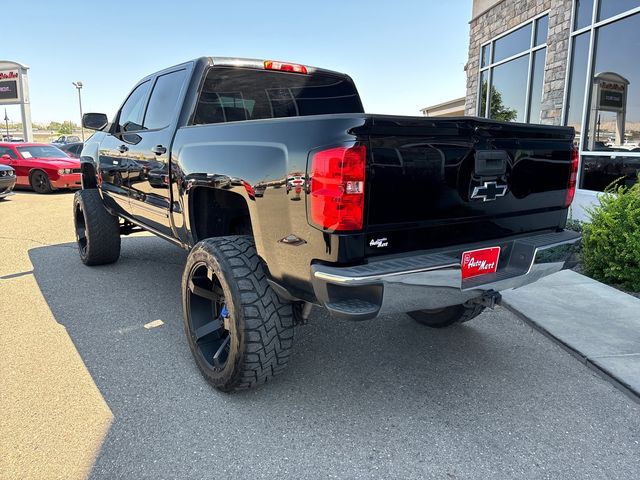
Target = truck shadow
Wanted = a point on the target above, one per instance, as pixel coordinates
(104, 310)
(390, 368)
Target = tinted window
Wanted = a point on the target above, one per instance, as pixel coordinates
(133, 109)
(600, 172)
(511, 44)
(164, 100)
(76, 149)
(233, 94)
(7, 151)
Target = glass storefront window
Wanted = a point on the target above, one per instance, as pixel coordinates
(485, 55)
(605, 114)
(542, 30)
(613, 123)
(600, 172)
(610, 8)
(507, 96)
(482, 104)
(577, 79)
(537, 79)
(512, 44)
(584, 13)
(513, 72)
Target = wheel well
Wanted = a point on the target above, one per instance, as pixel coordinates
(88, 175)
(216, 213)
(34, 170)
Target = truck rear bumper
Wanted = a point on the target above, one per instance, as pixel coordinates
(434, 280)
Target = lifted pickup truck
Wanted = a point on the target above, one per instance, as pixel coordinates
(287, 195)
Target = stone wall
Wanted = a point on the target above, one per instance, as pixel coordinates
(507, 15)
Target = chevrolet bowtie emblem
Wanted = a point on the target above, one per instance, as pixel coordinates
(489, 191)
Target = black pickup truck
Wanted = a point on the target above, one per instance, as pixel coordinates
(287, 195)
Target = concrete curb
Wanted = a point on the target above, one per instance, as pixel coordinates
(604, 374)
(596, 323)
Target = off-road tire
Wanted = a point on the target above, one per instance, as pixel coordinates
(97, 231)
(259, 325)
(40, 182)
(447, 316)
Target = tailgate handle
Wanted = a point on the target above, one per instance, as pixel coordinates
(491, 162)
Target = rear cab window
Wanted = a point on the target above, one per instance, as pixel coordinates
(234, 94)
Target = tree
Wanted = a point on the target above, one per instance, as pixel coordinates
(54, 126)
(497, 110)
(66, 128)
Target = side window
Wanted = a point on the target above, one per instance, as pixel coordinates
(133, 109)
(7, 151)
(164, 100)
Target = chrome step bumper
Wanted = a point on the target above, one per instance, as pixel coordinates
(434, 279)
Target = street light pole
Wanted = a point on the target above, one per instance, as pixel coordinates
(78, 85)
(6, 122)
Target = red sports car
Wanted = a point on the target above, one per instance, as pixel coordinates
(40, 166)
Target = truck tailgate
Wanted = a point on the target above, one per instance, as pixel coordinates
(434, 182)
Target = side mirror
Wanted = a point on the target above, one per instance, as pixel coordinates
(94, 121)
(6, 158)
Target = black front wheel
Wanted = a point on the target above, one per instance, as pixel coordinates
(97, 231)
(239, 331)
(40, 183)
(447, 316)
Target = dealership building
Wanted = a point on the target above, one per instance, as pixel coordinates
(563, 62)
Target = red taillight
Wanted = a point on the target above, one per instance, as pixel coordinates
(573, 175)
(284, 67)
(337, 188)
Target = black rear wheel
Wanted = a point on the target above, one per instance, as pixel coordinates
(39, 181)
(447, 316)
(239, 331)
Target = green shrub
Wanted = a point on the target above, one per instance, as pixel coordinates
(575, 225)
(611, 243)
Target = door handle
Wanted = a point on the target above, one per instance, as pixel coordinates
(159, 150)
(123, 148)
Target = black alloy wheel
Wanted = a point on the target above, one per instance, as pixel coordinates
(40, 182)
(239, 330)
(208, 317)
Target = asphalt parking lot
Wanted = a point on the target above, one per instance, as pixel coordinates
(88, 390)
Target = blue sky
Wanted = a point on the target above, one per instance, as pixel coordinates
(403, 54)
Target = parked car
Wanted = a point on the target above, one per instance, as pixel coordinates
(7, 181)
(429, 216)
(41, 166)
(72, 149)
(65, 139)
(11, 138)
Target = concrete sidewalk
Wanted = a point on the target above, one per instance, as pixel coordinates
(598, 323)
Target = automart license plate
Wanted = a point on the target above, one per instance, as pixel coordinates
(480, 262)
